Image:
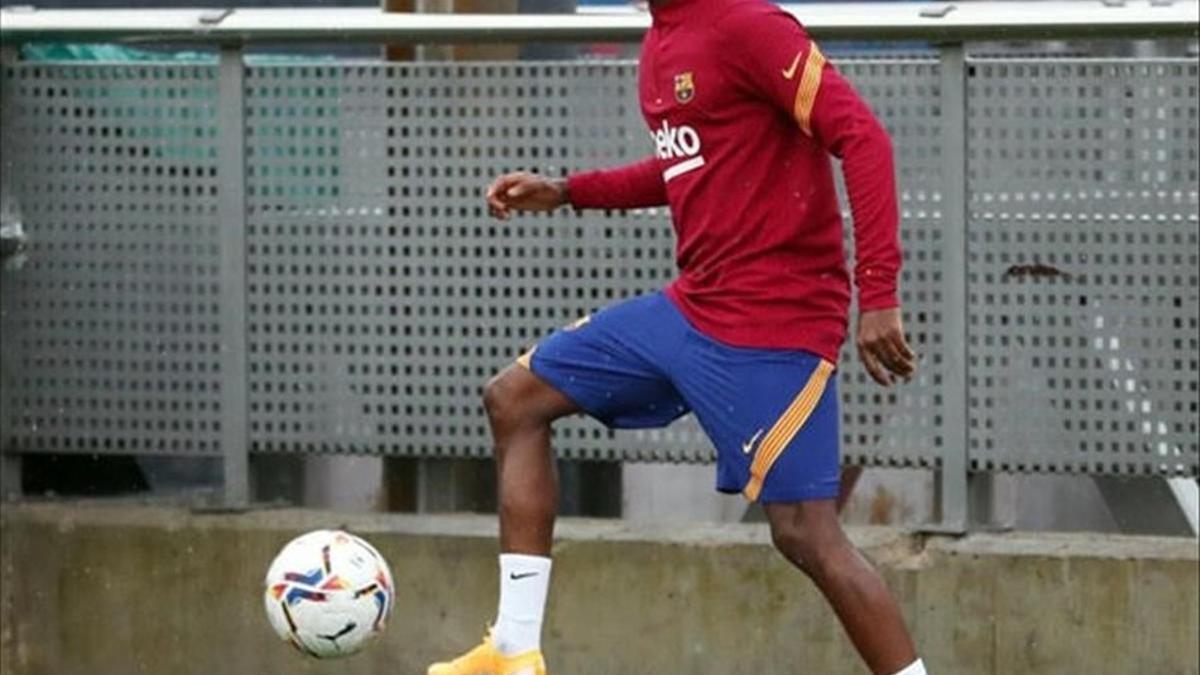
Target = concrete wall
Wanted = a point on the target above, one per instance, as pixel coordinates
(124, 590)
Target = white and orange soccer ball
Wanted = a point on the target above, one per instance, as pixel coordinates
(328, 593)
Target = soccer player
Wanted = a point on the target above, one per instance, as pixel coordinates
(744, 111)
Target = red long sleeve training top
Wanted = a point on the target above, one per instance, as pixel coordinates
(744, 111)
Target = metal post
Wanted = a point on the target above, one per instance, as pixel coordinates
(10, 462)
(235, 438)
(952, 478)
(992, 501)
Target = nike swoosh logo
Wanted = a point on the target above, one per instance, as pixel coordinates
(334, 638)
(748, 447)
(791, 72)
(517, 577)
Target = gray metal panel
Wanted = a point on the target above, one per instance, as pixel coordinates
(383, 296)
(1083, 266)
(111, 331)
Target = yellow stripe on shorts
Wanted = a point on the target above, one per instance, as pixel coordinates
(786, 428)
(525, 360)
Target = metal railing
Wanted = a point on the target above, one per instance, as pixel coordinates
(936, 22)
(1018, 177)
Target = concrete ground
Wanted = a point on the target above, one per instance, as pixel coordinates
(108, 589)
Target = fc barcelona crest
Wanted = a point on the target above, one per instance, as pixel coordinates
(685, 87)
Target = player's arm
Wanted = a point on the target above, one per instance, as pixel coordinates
(634, 186)
(842, 122)
(777, 60)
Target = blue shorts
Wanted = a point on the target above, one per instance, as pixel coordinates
(771, 413)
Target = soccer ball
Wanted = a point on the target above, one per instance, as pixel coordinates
(328, 593)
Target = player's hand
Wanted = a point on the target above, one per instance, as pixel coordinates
(882, 347)
(524, 191)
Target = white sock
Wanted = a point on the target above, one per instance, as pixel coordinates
(915, 668)
(524, 583)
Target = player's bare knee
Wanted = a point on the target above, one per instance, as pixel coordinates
(815, 550)
(501, 399)
(790, 541)
(509, 400)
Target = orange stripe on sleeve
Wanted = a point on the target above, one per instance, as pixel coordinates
(786, 428)
(810, 84)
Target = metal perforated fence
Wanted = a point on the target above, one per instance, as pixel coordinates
(1084, 299)
(378, 296)
(111, 332)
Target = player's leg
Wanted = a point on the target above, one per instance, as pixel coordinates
(610, 366)
(773, 417)
(799, 494)
(606, 366)
(809, 535)
(850, 476)
(521, 407)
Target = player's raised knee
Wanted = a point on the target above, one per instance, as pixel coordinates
(501, 397)
(516, 399)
